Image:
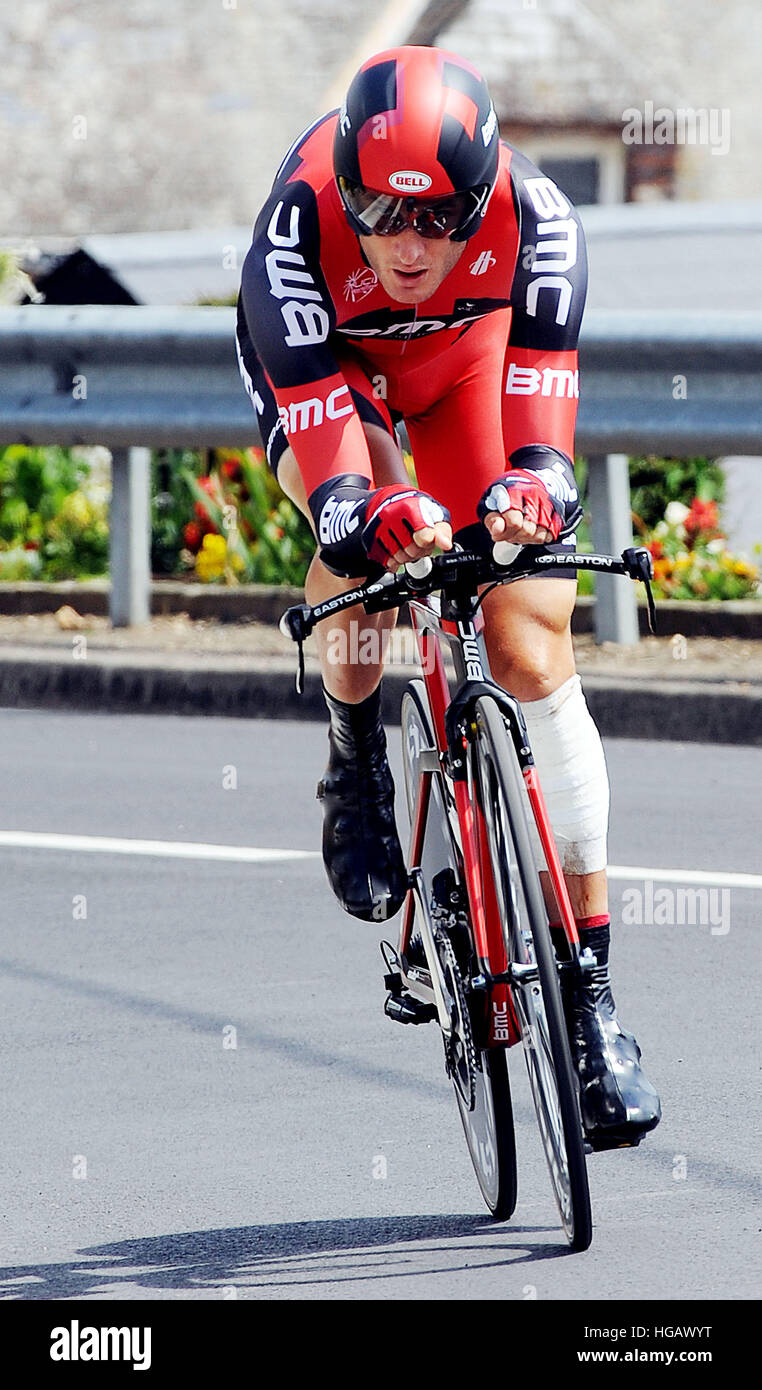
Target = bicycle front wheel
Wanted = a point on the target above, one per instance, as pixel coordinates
(535, 986)
(485, 1109)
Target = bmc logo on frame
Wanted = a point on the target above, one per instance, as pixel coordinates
(551, 381)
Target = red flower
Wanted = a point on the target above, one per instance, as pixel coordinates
(192, 535)
(232, 469)
(656, 548)
(703, 516)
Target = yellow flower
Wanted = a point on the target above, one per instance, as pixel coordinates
(76, 510)
(214, 546)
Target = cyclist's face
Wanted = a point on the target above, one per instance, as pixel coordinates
(411, 267)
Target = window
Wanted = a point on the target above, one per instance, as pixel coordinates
(579, 179)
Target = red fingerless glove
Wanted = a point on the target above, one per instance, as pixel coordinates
(522, 491)
(393, 515)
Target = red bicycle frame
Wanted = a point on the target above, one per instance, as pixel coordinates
(465, 639)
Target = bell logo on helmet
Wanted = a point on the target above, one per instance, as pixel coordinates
(409, 181)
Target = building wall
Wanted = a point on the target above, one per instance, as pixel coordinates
(565, 62)
(157, 114)
(171, 114)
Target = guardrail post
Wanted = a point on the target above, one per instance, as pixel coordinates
(616, 609)
(130, 536)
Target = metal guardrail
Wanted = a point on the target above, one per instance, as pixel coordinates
(138, 377)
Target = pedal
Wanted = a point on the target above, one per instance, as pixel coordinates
(605, 1143)
(404, 1008)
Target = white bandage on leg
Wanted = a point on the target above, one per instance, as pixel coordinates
(572, 772)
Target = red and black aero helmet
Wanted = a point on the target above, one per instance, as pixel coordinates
(417, 133)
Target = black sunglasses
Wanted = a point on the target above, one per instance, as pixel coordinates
(388, 214)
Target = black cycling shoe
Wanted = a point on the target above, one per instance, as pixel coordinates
(361, 849)
(618, 1103)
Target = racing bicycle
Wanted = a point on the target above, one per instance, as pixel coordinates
(474, 953)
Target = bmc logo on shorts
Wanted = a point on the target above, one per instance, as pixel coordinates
(303, 415)
(409, 181)
(551, 381)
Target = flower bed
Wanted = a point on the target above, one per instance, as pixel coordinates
(691, 556)
(220, 518)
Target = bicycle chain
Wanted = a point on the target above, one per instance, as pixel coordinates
(461, 1024)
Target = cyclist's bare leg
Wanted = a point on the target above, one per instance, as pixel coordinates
(353, 631)
(528, 635)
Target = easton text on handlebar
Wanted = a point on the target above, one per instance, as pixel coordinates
(463, 570)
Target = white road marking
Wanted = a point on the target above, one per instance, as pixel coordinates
(709, 876)
(247, 854)
(169, 849)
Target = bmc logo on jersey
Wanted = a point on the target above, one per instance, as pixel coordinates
(551, 381)
(409, 181)
(484, 261)
(291, 282)
(556, 250)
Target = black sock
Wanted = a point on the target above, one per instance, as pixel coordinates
(596, 936)
(357, 728)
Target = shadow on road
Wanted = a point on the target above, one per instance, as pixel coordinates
(239, 1262)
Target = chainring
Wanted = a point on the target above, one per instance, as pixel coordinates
(460, 1050)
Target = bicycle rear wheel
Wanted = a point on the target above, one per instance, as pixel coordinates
(535, 986)
(485, 1109)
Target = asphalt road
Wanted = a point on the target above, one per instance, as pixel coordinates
(143, 1155)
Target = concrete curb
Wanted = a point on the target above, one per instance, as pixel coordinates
(264, 603)
(151, 683)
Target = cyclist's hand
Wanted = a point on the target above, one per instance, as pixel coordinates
(403, 524)
(519, 508)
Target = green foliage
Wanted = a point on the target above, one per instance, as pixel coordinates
(282, 541)
(53, 517)
(229, 494)
(171, 505)
(655, 482)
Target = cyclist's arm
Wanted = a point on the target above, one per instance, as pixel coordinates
(290, 317)
(541, 377)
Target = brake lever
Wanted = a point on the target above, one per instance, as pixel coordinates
(638, 564)
(296, 625)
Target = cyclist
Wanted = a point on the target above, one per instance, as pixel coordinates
(409, 264)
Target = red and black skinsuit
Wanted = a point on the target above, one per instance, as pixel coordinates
(483, 373)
